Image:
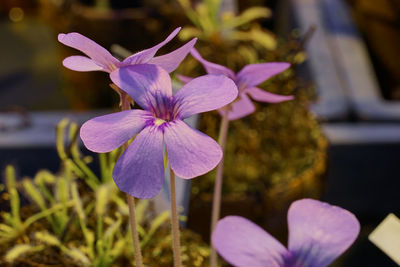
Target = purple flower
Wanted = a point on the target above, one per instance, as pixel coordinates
(140, 169)
(246, 80)
(98, 58)
(318, 234)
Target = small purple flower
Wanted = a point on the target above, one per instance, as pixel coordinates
(99, 59)
(140, 169)
(246, 80)
(318, 234)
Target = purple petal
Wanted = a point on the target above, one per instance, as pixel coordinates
(145, 55)
(190, 152)
(80, 63)
(184, 79)
(212, 68)
(139, 171)
(240, 108)
(254, 74)
(205, 93)
(143, 82)
(243, 244)
(319, 232)
(171, 61)
(264, 96)
(96, 52)
(106, 133)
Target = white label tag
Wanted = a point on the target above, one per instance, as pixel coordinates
(387, 237)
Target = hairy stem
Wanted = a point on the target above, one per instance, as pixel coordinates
(135, 235)
(216, 206)
(125, 105)
(175, 223)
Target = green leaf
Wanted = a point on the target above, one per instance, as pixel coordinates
(60, 141)
(34, 193)
(141, 207)
(14, 197)
(265, 39)
(102, 199)
(189, 32)
(5, 228)
(18, 250)
(247, 16)
(118, 248)
(48, 239)
(109, 233)
(79, 256)
(44, 177)
(156, 223)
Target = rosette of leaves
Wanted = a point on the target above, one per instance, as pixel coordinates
(227, 38)
(75, 218)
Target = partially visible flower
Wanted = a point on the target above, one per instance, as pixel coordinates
(246, 80)
(99, 59)
(140, 169)
(318, 234)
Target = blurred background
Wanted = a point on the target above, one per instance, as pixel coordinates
(339, 141)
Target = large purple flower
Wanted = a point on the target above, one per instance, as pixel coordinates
(99, 59)
(246, 80)
(318, 234)
(140, 169)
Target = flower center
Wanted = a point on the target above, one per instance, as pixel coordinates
(158, 121)
(163, 108)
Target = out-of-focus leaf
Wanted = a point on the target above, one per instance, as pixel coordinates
(79, 256)
(48, 239)
(44, 177)
(265, 39)
(34, 193)
(60, 140)
(141, 207)
(102, 199)
(14, 197)
(18, 250)
(156, 223)
(247, 16)
(189, 32)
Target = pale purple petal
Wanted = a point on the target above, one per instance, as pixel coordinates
(184, 79)
(264, 96)
(171, 61)
(145, 55)
(139, 171)
(96, 52)
(212, 68)
(205, 93)
(143, 82)
(190, 152)
(254, 74)
(244, 244)
(106, 133)
(81, 63)
(240, 108)
(319, 232)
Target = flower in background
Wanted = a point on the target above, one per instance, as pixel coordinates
(246, 80)
(140, 169)
(318, 234)
(99, 59)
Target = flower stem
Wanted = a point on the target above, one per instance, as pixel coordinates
(125, 105)
(216, 206)
(175, 223)
(135, 235)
